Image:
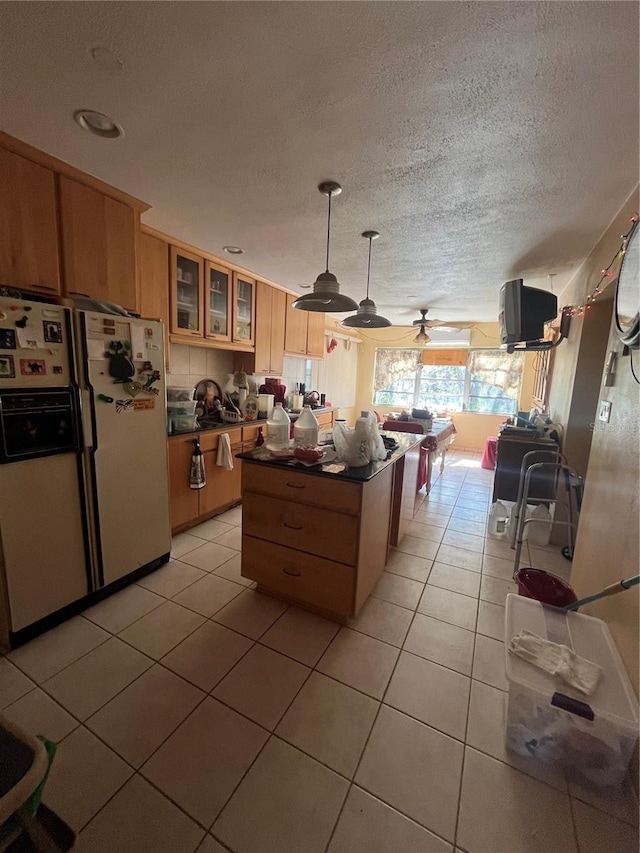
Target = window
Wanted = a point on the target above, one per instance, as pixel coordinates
(482, 381)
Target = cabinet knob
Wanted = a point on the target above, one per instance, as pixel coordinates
(293, 573)
(295, 486)
(293, 526)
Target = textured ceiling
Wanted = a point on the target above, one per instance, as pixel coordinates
(483, 140)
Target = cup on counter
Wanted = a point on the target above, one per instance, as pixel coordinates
(265, 405)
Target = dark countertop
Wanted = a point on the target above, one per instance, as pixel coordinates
(260, 422)
(406, 441)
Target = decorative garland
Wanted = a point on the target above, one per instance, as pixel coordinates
(606, 275)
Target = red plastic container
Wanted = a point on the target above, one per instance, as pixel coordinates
(544, 587)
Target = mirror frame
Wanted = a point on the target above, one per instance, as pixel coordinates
(630, 335)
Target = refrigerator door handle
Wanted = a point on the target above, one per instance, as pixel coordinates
(86, 418)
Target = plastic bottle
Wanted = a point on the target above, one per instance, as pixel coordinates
(540, 529)
(498, 518)
(527, 514)
(278, 429)
(305, 429)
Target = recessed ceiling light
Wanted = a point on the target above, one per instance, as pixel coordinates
(233, 250)
(411, 296)
(98, 123)
(304, 286)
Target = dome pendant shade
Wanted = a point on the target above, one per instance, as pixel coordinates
(367, 317)
(326, 294)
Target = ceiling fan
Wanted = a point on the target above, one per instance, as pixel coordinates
(423, 338)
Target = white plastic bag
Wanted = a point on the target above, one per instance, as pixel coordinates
(360, 446)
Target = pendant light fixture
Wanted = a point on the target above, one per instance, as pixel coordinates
(367, 316)
(326, 294)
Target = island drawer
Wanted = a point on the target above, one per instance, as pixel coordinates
(319, 531)
(337, 495)
(302, 577)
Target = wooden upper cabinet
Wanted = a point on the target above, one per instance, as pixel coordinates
(264, 308)
(99, 242)
(186, 288)
(29, 256)
(295, 339)
(315, 334)
(154, 282)
(278, 319)
(217, 302)
(244, 311)
(271, 305)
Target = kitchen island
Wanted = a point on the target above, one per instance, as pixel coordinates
(319, 537)
(189, 507)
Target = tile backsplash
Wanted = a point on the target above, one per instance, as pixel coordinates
(188, 365)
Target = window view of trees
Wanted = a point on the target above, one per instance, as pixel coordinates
(489, 384)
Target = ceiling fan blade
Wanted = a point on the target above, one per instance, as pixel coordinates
(451, 326)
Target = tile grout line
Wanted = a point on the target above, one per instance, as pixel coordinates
(272, 733)
(368, 738)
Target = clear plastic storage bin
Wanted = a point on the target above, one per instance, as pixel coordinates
(178, 408)
(595, 735)
(175, 393)
(181, 423)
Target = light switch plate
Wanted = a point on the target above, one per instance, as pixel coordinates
(605, 411)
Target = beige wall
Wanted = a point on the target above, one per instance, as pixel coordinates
(608, 535)
(473, 428)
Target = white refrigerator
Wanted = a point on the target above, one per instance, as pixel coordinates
(123, 410)
(84, 500)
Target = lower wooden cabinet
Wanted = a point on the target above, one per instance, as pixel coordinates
(223, 489)
(183, 501)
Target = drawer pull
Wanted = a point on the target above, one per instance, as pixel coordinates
(294, 573)
(293, 526)
(294, 486)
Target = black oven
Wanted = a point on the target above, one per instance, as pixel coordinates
(37, 422)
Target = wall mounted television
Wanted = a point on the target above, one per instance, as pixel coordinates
(524, 311)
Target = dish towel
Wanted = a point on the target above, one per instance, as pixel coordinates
(225, 457)
(580, 673)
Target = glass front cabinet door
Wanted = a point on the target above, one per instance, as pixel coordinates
(186, 294)
(217, 302)
(244, 300)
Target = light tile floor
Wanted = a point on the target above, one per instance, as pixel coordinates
(195, 714)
